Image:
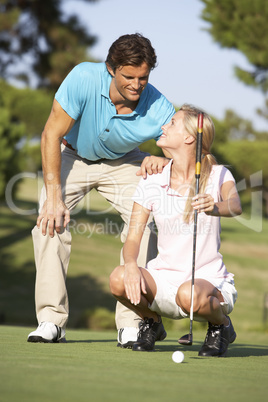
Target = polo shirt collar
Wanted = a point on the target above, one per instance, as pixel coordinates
(165, 181)
(106, 82)
(165, 176)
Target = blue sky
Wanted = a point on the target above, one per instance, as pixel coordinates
(191, 67)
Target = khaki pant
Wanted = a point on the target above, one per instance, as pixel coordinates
(116, 181)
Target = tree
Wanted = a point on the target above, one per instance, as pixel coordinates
(247, 158)
(30, 106)
(36, 39)
(242, 25)
(23, 113)
(10, 134)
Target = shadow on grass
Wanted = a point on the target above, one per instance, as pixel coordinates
(19, 226)
(94, 216)
(17, 294)
(236, 350)
(86, 295)
(22, 224)
(92, 340)
(245, 350)
(17, 274)
(162, 347)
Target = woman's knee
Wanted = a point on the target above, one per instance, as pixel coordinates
(203, 291)
(117, 281)
(184, 295)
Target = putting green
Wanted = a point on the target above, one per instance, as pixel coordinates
(89, 367)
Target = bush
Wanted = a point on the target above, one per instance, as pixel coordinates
(97, 319)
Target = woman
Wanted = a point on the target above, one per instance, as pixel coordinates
(163, 288)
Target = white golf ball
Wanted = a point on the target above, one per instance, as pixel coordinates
(178, 357)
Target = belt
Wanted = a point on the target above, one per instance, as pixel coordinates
(67, 144)
(87, 161)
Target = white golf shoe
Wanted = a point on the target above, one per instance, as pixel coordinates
(127, 336)
(47, 332)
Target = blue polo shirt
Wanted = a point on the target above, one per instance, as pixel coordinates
(99, 132)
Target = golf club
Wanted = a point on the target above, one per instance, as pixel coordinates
(188, 338)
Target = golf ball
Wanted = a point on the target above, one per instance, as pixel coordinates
(178, 356)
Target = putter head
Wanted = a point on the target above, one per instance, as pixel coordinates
(186, 340)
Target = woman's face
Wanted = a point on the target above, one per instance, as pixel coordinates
(173, 133)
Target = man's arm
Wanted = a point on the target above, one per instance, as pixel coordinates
(54, 213)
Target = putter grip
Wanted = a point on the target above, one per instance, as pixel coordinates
(199, 145)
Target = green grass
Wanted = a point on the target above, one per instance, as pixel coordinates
(94, 255)
(89, 367)
(93, 258)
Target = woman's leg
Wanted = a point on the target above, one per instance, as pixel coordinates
(207, 305)
(118, 290)
(207, 301)
(151, 327)
(117, 184)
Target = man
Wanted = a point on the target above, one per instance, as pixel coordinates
(100, 114)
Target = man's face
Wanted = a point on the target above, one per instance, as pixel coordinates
(129, 82)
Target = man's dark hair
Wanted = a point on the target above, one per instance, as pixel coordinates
(131, 50)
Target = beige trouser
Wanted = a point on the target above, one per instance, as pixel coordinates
(116, 181)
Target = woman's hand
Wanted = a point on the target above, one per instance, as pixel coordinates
(134, 283)
(203, 203)
(229, 205)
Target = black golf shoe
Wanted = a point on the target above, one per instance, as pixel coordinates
(217, 340)
(150, 332)
(127, 336)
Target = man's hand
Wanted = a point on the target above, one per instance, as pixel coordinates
(152, 165)
(54, 216)
(134, 283)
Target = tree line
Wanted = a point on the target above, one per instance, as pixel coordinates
(39, 45)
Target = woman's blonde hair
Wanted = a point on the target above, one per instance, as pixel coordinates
(190, 120)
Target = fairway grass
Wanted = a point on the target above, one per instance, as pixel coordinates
(89, 367)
